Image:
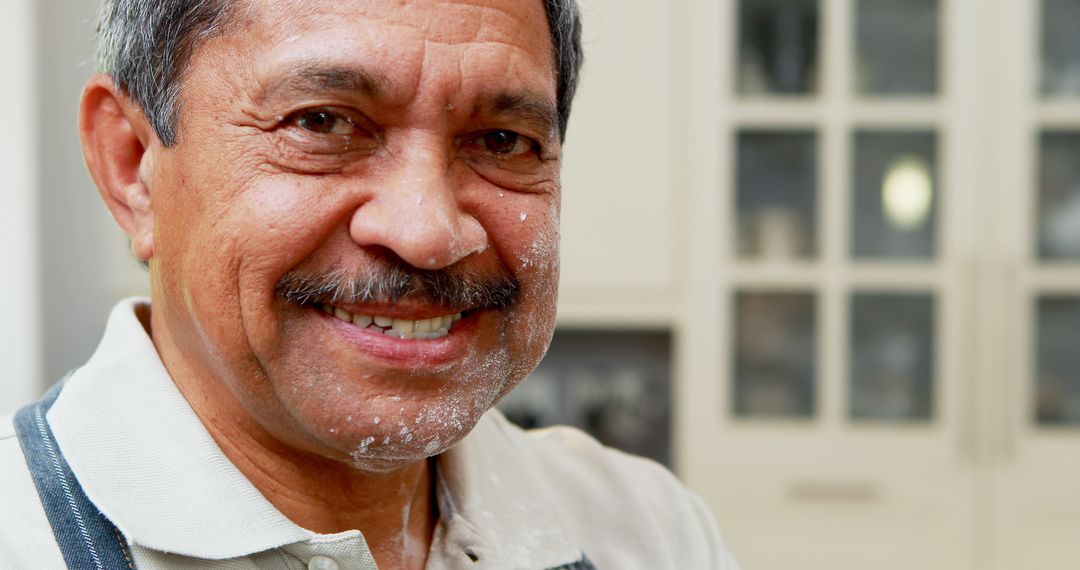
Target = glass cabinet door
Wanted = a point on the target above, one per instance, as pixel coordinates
(778, 47)
(1037, 459)
(896, 47)
(840, 319)
(777, 194)
(894, 194)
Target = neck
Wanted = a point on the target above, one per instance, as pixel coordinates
(395, 511)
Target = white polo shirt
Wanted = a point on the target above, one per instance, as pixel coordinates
(508, 499)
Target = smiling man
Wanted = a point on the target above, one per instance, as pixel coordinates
(350, 214)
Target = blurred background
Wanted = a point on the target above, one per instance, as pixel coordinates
(821, 257)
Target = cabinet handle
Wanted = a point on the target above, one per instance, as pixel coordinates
(1014, 374)
(967, 437)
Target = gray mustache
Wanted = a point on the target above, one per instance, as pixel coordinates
(383, 281)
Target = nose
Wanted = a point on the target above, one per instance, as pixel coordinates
(414, 211)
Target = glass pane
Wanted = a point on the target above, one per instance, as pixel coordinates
(892, 356)
(895, 195)
(1060, 48)
(1059, 196)
(1058, 392)
(775, 354)
(615, 385)
(896, 47)
(778, 46)
(777, 194)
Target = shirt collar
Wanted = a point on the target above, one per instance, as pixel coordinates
(146, 461)
(493, 505)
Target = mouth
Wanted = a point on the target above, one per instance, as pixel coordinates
(432, 328)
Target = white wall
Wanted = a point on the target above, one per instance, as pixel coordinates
(19, 326)
(85, 262)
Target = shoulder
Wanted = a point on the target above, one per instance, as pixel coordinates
(26, 540)
(624, 509)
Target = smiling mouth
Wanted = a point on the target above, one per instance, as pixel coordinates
(408, 329)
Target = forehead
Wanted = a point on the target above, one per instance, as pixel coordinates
(404, 45)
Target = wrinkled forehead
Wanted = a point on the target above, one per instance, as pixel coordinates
(439, 21)
(398, 41)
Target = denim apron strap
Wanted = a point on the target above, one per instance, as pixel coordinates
(583, 564)
(86, 538)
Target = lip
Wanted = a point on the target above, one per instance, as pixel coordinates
(412, 355)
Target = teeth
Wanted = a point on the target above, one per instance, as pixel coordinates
(424, 326)
(384, 321)
(408, 329)
(362, 321)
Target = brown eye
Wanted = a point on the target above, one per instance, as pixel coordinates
(506, 142)
(324, 122)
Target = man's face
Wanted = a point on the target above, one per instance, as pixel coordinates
(324, 145)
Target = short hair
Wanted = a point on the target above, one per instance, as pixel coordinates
(145, 46)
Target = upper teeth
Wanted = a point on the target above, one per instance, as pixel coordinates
(420, 329)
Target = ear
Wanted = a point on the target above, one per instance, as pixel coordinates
(119, 145)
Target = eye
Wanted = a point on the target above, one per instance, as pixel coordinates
(324, 122)
(507, 143)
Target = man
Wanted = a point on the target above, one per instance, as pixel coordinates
(349, 212)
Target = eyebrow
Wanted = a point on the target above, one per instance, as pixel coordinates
(531, 108)
(536, 110)
(320, 78)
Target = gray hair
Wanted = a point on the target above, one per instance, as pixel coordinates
(145, 46)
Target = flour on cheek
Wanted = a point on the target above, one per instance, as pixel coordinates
(441, 421)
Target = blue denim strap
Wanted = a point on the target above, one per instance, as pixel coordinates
(583, 564)
(86, 538)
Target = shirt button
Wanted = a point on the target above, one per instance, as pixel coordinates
(322, 563)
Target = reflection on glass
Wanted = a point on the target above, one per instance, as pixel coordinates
(1060, 48)
(777, 194)
(896, 47)
(1059, 195)
(1057, 395)
(892, 356)
(774, 354)
(615, 385)
(778, 46)
(895, 195)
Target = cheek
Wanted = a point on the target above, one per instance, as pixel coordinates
(233, 244)
(526, 236)
(523, 229)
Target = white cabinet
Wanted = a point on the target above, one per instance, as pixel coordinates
(618, 220)
(878, 343)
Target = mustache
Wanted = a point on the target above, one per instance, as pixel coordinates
(389, 281)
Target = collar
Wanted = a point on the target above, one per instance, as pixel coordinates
(493, 505)
(146, 461)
